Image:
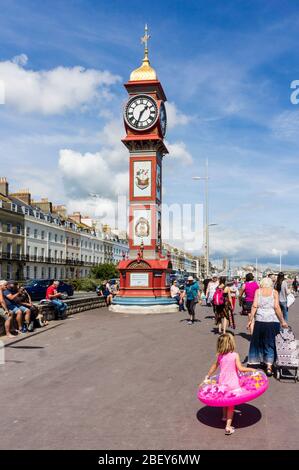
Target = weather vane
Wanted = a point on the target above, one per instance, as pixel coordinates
(145, 38)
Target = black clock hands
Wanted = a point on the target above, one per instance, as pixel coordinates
(141, 112)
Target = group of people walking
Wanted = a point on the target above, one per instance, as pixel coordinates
(265, 304)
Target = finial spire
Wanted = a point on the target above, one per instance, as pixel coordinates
(144, 40)
(145, 71)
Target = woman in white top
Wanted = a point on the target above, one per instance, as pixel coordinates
(211, 289)
(281, 286)
(267, 317)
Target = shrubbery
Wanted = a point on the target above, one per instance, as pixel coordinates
(87, 284)
(105, 271)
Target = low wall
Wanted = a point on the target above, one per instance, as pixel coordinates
(74, 306)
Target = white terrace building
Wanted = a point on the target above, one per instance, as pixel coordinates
(55, 246)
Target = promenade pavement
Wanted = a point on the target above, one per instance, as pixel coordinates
(101, 380)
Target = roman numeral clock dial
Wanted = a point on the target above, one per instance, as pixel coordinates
(141, 112)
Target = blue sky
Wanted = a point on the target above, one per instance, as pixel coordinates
(226, 68)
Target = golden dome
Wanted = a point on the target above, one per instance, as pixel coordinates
(145, 71)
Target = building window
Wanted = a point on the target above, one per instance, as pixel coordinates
(35, 272)
(28, 231)
(27, 272)
(9, 228)
(55, 237)
(19, 229)
(61, 238)
(35, 233)
(49, 273)
(50, 235)
(42, 234)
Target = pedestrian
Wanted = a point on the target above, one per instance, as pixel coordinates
(55, 297)
(248, 289)
(212, 286)
(5, 314)
(176, 294)
(105, 291)
(295, 284)
(281, 286)
(36, 317)
(205, 286)
(229, 361)
(234, 291)
(11, 295)
(223, 306)
(192, 295)
(267, 317)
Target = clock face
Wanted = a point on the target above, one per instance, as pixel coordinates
(141, 112)
(163, 118)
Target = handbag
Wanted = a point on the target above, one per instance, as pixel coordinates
(290, 299)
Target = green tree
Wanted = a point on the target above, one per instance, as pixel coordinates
(105, 271)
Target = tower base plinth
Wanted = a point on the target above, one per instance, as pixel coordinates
(144, 305)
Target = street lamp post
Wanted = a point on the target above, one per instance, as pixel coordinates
(206, 179)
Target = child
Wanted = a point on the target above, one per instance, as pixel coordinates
(182, 298)
(230, 364)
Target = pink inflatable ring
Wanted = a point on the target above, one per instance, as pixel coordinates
(252, 385)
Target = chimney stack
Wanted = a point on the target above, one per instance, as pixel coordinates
(3, 186)
(45, 205)
(24, 195)
(76, 216)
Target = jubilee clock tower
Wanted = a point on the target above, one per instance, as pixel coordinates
(144, 277)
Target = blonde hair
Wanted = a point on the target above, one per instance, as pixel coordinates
(226, 343)
(266, 283)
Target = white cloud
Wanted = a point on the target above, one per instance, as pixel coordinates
(285, 126)
(175, 117)
(178, 151)
(90, 173)
(53, 91)
(262, 242)
(21, 59)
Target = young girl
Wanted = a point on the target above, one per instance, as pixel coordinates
(230, 364)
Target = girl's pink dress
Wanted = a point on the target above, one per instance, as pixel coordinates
(228, 371)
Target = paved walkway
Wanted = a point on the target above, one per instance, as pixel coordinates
(107, 381)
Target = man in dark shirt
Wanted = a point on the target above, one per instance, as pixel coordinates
(11, 295)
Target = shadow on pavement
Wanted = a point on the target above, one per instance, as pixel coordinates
(187, 319)
(244, 335)
(245, 416)
(26, 347)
